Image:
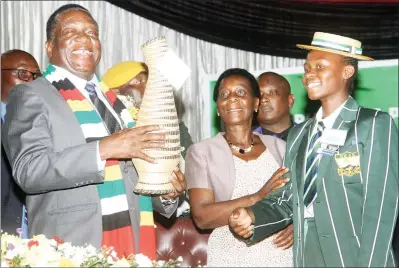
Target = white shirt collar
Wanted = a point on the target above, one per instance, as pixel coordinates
(329, 120)
(78, 82)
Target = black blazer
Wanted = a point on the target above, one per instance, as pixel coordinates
(12, 198)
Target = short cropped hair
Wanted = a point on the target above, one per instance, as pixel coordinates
(240, 72)
(52, 21)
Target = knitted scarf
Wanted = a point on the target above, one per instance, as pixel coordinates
(117, 229)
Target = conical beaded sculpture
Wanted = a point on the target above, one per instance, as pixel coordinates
(158, 107)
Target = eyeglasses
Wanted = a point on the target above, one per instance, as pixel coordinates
(24, 75)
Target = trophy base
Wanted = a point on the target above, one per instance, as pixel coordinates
(151, 191)
(153, 184)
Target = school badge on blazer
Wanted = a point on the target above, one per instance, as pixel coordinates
(348, 163)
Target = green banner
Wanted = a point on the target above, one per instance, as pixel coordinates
(377, 88)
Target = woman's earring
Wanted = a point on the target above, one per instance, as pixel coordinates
(218, 113)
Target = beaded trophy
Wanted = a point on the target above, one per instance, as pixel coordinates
(158, 108)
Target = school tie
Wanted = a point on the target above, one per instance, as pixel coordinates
(312, 164)
(108, 118)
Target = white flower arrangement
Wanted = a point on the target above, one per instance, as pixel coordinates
(44, 252)
(131, 111)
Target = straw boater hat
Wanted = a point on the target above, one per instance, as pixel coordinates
(336, 44)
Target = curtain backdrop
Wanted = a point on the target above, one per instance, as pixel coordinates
(23, 25)
(274, 26)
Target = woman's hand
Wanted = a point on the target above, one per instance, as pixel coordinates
(272, 184)
(178, 181)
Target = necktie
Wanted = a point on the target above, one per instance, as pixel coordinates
(108, 118)
(312, 163)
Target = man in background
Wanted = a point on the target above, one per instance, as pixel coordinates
(276, 101)
(18, 67)
(274, 119)
(128, 79)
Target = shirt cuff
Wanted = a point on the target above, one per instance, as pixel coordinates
(100, 163)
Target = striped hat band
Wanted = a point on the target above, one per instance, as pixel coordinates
(333, 45)
(337, 44)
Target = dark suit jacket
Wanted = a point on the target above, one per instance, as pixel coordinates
(12, 198)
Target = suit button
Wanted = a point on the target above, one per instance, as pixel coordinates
(18, 220)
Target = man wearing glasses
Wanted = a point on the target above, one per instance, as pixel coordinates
(17, 67)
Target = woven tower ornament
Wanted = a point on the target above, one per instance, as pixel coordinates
(158, 108)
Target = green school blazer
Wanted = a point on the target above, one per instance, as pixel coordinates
(357, 192)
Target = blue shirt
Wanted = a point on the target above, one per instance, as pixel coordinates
(3, 110)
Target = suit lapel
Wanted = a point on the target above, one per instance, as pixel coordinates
(343, 122)
(349, 115)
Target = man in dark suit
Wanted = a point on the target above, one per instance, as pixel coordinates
(17, 67)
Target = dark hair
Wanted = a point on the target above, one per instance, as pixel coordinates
(352, 80)
(52, 21)
(240, 72)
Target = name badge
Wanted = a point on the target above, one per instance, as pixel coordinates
(329, 150)
(333, 136)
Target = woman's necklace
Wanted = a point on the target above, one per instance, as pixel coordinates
(238, 149)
